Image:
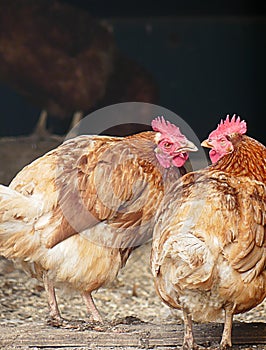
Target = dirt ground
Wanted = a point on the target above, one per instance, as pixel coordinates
(23, 300)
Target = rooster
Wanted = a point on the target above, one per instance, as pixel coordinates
(73, 216)
(209, 256)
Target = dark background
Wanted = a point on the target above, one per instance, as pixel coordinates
(151, 8)
(207, 57)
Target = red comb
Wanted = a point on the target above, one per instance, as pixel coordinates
(165, 127)
(227, 126)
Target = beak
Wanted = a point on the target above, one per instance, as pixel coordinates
(206, 143)
(188, 147)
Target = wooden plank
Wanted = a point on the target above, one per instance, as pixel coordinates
(140, 336)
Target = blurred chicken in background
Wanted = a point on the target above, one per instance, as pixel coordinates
(63, 60)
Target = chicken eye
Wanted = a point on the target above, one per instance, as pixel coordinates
(223, 142)
(167, 145)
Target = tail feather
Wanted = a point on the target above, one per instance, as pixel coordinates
(192, 261)
(18, 214)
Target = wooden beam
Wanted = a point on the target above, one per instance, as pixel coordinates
(135, 336)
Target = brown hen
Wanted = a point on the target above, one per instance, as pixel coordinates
(63, 60)
(72, 217)
(209, 256)
(56, 55)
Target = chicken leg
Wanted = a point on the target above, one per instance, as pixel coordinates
(91, 307)
(55, 317)
(227, 332)
(188, 341)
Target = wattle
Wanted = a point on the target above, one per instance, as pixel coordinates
(180, 159)
(214, 156)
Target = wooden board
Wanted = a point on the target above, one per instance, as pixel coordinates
(135, 336)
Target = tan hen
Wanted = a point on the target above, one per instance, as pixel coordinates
(72, 217)
(209, 256)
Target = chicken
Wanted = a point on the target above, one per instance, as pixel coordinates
(72, 217)
(58, 70)
(209, 256)
(63, 60)
(129, 82)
